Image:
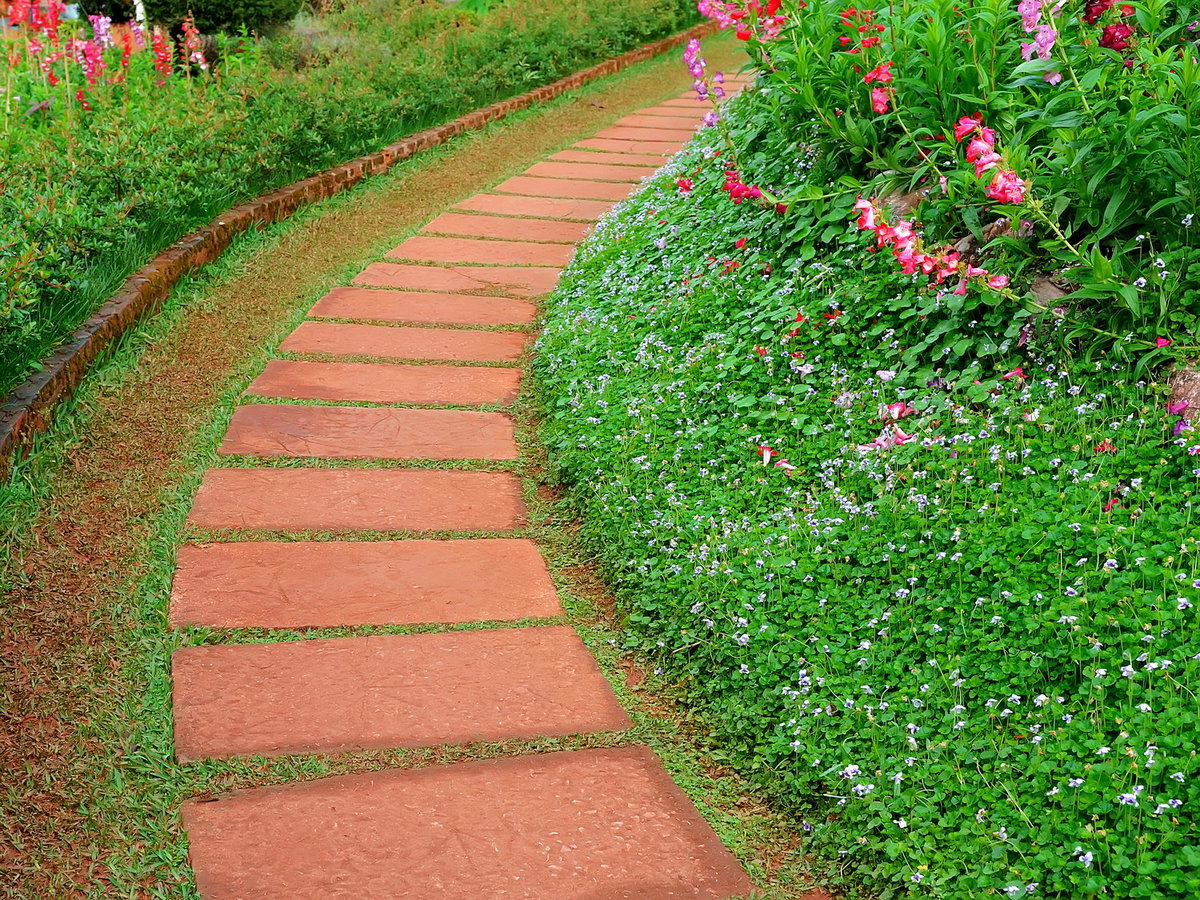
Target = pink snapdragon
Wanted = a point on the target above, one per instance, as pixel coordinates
(879, 99)
(1006, 187)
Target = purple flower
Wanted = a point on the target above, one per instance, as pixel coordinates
(1127, 799)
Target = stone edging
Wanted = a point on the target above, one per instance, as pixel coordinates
(30, 408)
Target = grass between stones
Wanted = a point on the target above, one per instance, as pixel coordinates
(92, 520)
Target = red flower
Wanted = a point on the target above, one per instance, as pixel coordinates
(1163, 342)
(740, 243)
(1018, 372)
(1111, 504)
(966, 125)
(1116, 37)
(685, 185)
(1105, 446)
(881, 73)
(1093, 11)
(879, 99)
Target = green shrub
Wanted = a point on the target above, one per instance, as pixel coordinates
(224, 15)
(948, 618)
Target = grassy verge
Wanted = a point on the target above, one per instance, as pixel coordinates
(92, 520)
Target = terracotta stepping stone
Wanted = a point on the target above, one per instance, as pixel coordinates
(521, 281)
(393, 342)
(561, 187)
(387, 383)
(674, 112)
(667, 148)
(550, 207)
(548, 230)
(350, 432)
(466, 250)
(288, 499)
(411, 690)
(656, 123)
(423, 307)
(627, 133)
(590, 171)
(688, 101)
(611, 159)
(581, 825)
(325, 584)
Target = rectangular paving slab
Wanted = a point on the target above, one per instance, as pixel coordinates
(628, 133)
(678, 128)
(519, 281)
(579, 825)
(326, 584)
(563, 187)
(551, 231)
(393, 342)
(547, 207)
(424, 307)
(673, 112)
(411, 690)
(351, 432)
(591, 171)
(667, 148)
(467, 250)
(654, 160)
(288, 499)
(387, 383)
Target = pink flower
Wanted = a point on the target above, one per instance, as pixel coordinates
(897, 411)
(1163, 342)
(1052, 78)
(985, 162)
(1006, 187)
(1017, 373)
(998, 282)
(881, 73)
(1178, 408)
(899, 437)
(866, 213)
(879, 99)
(966, 125)
(765, 452)
(1112, 504)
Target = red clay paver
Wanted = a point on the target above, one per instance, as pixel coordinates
(688, 101)
(674, 127)
(412, 690)
(562, 187)
(324, 584)
(581, 825)
(591, 171)
(549, 207)
(422, 307)
(387, 383)
(548, 230)
(656, 160)
(287, 499)
(673, 112)
(466, 250)
(349, 432)
(628, 133)
(667, 148)
(393, 342)
(520, 281)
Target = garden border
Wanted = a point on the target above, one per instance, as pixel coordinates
(29, 409)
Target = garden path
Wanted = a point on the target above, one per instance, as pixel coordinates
(417, 361)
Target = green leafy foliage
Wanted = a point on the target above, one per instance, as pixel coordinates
(936, 590)
(224, 15)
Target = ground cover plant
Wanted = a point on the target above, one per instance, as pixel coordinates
(918, 540)
(118, 139)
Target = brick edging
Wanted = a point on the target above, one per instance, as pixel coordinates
(29, 409)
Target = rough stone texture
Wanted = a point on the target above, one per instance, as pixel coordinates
(519, 281)
(505, 228)
(358, 499)
(29, 409)
(562, 187)
(465, 250)
(591, 172)
(349, 432)
(1185, 388)
(413, 690)
(387, 383)
(654, 160)
(582, 825)
(324, 584)
(392, 342)
(422, 307)
(550, 207)
(628, 133)
(666, 148)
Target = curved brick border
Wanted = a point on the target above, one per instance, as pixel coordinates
(30, 408)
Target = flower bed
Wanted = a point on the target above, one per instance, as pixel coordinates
(119, 141)
(920, 547)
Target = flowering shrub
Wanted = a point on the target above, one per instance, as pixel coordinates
(118, 142)
(934, 582)
(1079, 119)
